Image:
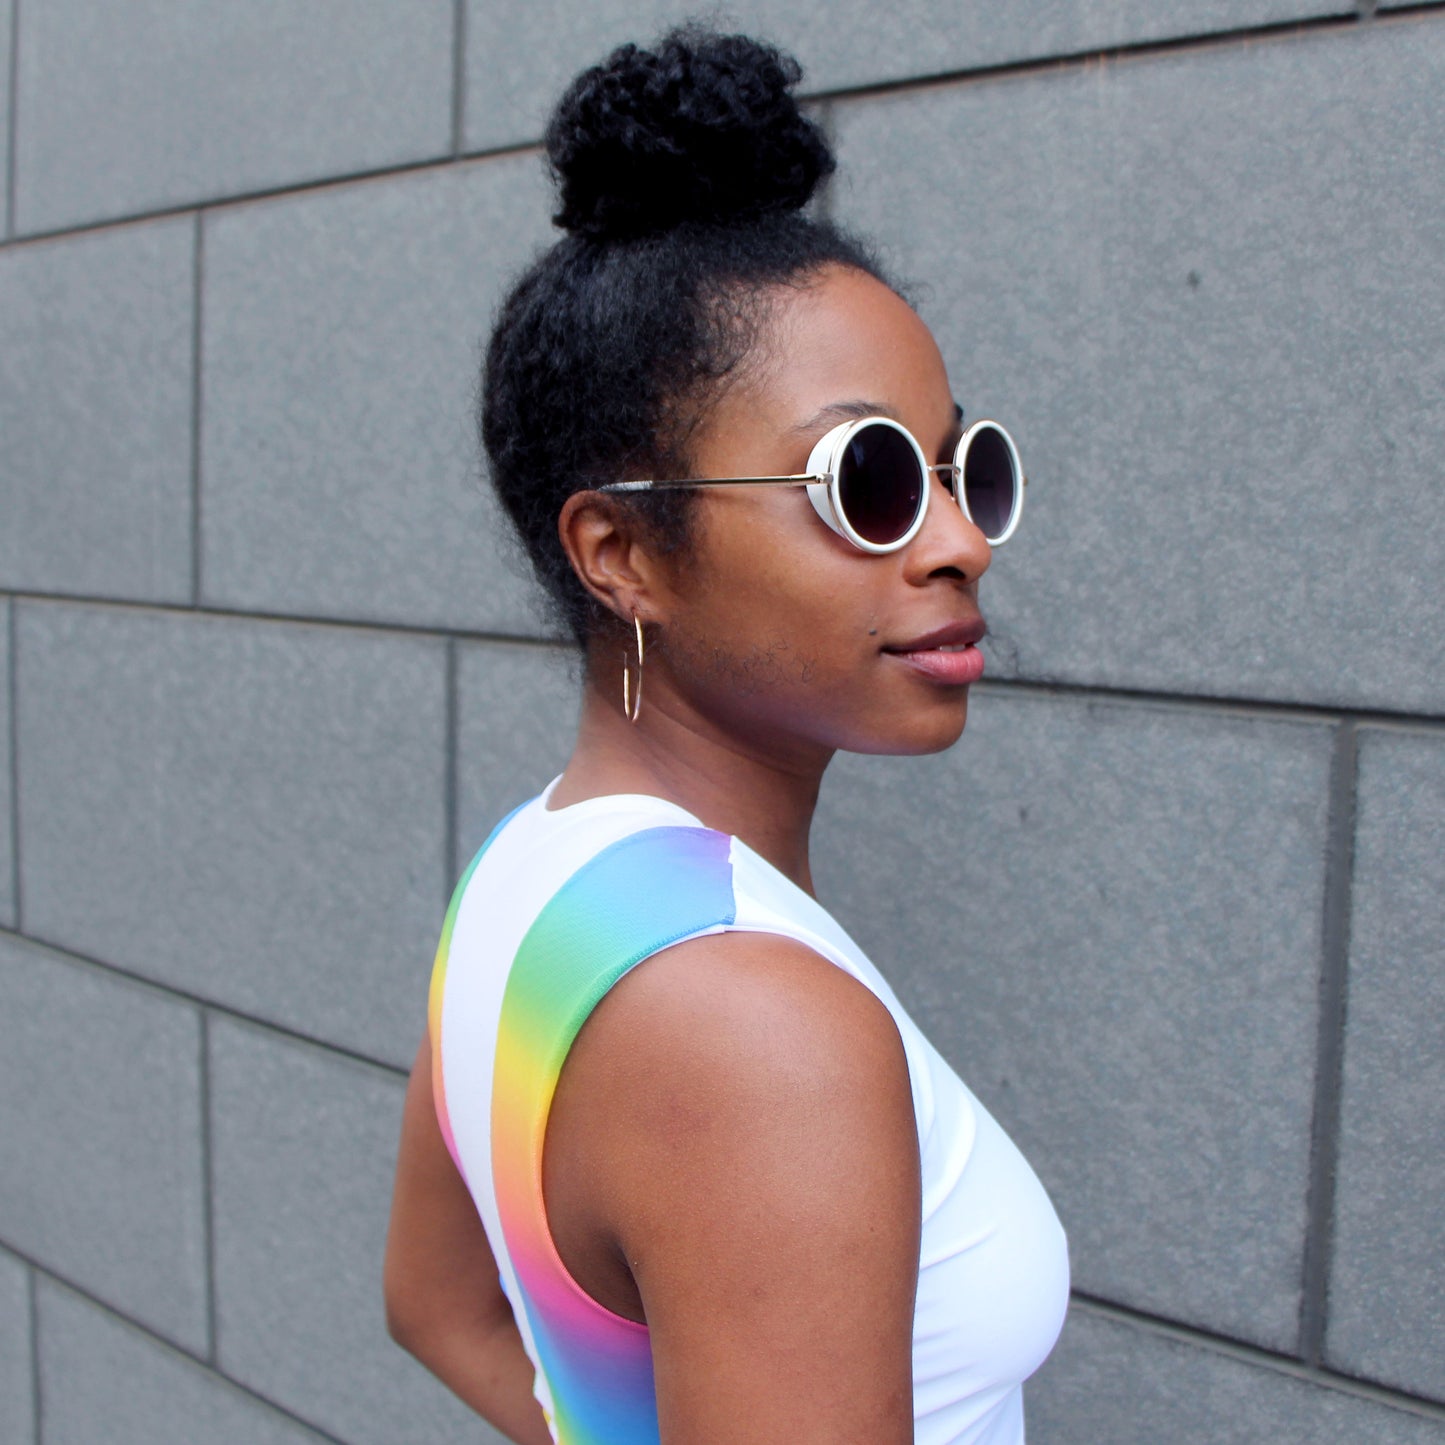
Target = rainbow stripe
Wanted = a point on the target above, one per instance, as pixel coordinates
(644, 892)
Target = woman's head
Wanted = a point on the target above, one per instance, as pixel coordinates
(779, 633)
(683, 173)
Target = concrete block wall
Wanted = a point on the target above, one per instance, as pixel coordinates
(268, 673)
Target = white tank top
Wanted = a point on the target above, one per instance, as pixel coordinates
(555, 908)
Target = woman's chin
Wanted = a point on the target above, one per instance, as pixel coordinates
(934, 734)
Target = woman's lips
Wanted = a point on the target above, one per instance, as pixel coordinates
(957, 666)
(947, 654)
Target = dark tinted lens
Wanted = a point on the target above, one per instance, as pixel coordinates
(990, 487)
(879, 484)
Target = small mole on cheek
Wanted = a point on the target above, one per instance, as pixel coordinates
(872, 632)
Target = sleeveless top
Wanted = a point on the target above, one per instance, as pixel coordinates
(553, 910)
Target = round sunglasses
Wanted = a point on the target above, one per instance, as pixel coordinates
(868, 480)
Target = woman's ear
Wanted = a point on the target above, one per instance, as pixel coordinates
(608, 550)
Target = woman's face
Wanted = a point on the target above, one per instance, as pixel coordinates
(781, 631)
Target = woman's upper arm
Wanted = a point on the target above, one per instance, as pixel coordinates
(756, 1153)
(439, 1266)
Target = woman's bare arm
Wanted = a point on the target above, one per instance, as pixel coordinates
(443, 1300)
(733, 1151)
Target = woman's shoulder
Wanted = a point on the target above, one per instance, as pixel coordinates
(732, 1056)
(737, 1010)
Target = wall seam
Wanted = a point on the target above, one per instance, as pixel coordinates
(34, 1307)
(1241, 708)
(12, 107)
(140, 1327)
(459, 74)
(1329, 1050)
(208, 1188)
(177, 994)
(240, 199)
(1343, 20)
(12, 682)
(197, 300)
(1260, 1358)
(1205, 703)
(450, 772)
(826, 204)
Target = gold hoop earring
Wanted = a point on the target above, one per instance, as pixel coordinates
(631, 705)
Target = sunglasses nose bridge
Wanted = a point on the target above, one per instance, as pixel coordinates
(946, 474)
(950, 482)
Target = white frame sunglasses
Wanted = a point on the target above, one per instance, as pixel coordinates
(839, 474)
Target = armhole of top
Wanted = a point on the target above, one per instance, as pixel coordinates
(642, 894)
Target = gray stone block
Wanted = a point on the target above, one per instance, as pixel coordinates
(1387, 1289)
(1205, 287)
(519, 59)
(95, 410)
(304, 1147)
(1130, 1385)
(343, 334)
(17, 1375)
(101, 1175)
(1107, 918)
(516, 723)
(250, 811)
(103, 1379)
(7, 803)
(164, 104)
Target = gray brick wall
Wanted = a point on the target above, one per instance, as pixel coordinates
(269, 673)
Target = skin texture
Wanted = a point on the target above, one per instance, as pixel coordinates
(752, 1193)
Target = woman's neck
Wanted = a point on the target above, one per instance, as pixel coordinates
(730, 784)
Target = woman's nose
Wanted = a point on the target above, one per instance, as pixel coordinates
(948, 541)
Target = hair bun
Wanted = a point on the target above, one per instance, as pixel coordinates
(704, 128)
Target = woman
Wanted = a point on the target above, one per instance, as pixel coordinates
(766, 1209)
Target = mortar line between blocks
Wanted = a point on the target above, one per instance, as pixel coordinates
(197, 398)
(459, 75)
(34, 1306)
(1330, 1042)
(227, 200)
(12, 106)
(1343, 19)
(827, 192)
(450, 773)
(208, 1188)
(124, 1317)
(1215, 704)
(177, 993)
(1259, 1357)
(12, 683)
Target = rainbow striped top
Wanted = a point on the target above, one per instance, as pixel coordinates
(555, 908)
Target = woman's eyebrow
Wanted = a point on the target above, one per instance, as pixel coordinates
(837, 411)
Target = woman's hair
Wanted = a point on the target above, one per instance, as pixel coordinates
(682, 172)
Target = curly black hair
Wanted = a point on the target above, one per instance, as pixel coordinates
(682, 172)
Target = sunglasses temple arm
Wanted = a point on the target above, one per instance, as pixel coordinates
(802, 480)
